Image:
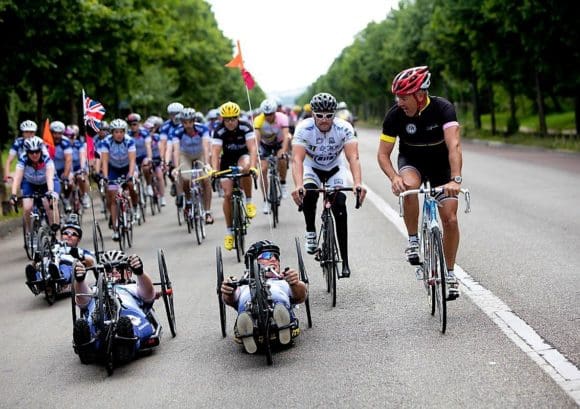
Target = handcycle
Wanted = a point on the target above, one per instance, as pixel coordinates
(432, 269)
(327, 253)
(107, 312)
(261, 307)
(193, 211)
(240, 219)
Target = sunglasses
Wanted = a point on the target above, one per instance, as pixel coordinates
(322, 115)
(33, 152)
(232, 119)
(268, 255)
(70, 233)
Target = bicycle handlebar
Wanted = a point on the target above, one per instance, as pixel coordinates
(332, 190)
(234, 172)
(432, 191)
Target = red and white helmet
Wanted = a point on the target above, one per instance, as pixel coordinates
(411, 80)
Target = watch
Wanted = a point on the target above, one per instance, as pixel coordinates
(457, 179)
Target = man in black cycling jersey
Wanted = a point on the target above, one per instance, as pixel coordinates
(429, 149)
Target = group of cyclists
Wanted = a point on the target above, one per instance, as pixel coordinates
(319, 141)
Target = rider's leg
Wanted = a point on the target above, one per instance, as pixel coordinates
(207, 192)
(244, 163)
(412, 180)
(264, 179)
(160, 183)
(227, 186)
(448, 213)
(27, 204)
(111, 189)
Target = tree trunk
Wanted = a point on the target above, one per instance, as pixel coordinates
(513, 125)
(541, 107)
(475, 101)
(492, 109)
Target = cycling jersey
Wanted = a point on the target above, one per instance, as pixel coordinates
(323, 149)
(141, 137)
(35, 173)
(191, 144)
(78, 147)
(233, 143)
(118, 151)
(61, 150)
(423, 131)
(271, 133)
(167, 129)
(155, 139)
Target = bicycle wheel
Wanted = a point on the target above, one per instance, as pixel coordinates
(220, 279)
(27, 241)
(98, 242)
(425, 262)
(179, 215)
(261, 309)
(273, 199)
(120, 225)
(332, 258)
(304, 278)
(238, 218)
(438, 275)
(152, 203)
(128, 230)
(142, 204)
(44, 251)
(166, 291)
(188, 216)
(197, 219)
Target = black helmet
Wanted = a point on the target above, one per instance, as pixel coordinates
(323, 102)
(260, 247)
(72, 222)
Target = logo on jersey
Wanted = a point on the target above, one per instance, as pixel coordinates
(411, 129)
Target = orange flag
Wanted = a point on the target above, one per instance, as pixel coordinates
(47, 138)
(238, 62)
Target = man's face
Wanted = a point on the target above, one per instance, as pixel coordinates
(56, 136)
(408, 103)
(134, 126)
(231, 123)
(271, 117)
(27, 134)
(269, 259)
(117, 274)
(71, 237)
(188, 123)
(323, 120)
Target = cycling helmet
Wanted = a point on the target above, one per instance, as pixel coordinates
(72, 222)
(133, 117)
(69, 132)
(229, 110)
(118, 124)
(113, 258)
(199, 117)
(411, 80)
(28, 126)
(213, 114)
(341, 105)
(268, 106)
(104, 126)
(33, 144)
(307, 108)
(174, 108)
(57, 126)
(261, 246)
(323, 102)
(188, 114)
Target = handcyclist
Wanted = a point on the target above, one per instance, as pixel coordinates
(285, 287)
(118, 161)
(271, 129)
(235, 141)
(190, 144)
(429, 149)
(317, 146)
(137, 295)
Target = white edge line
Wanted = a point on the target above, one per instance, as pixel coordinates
(562, 371)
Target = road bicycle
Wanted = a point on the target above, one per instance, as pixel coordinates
(38, 222)
(193, 211)
(327, 253)
(124, 222)
(432, 269)
(274, 195)
(240, 219)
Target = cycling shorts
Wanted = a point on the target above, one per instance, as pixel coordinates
(335, 177)
(434, 168)
(227, 161)
(267, 150)
(189, 162)
(29, 189)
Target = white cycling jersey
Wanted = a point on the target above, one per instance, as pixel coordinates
(323, 149)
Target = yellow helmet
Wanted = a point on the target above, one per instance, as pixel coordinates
(297, 108)
(307, 108)
(230, 109)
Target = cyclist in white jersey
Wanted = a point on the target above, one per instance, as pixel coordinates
(317, 147)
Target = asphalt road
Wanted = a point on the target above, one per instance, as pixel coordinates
(379, 347)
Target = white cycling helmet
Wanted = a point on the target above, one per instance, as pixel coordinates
(174, 108)
(341, 105)
(57, 126)
(118, 124)
(33, 144)
(28, 126)
(187, 114)
(269, 106)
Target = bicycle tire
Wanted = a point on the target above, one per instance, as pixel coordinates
(98, 242)
(220, 279)
(120, 225)
(129, 227)
(166, 292)
(179, 215)
(238, 228)
(44, 249)
(197, 219)
(188, 217)
(142, 204)
(438, 269)
(27, 242)
(152, 204)
(273, 200)
(262, 309)
(333, 262)
(304, 278)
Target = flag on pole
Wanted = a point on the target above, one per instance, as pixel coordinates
(93, 112)
(47, 138)
(238, 62)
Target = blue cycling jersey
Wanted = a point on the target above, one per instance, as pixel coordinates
(17, 148)
(118, 151)
(35, 173)
(191, 144)
(168, 129)
(155, 140)
(140, 137)
(78, 147)
(61, 149)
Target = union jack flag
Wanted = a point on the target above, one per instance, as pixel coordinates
(94, 112)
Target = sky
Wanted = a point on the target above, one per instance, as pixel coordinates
(287, 45)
